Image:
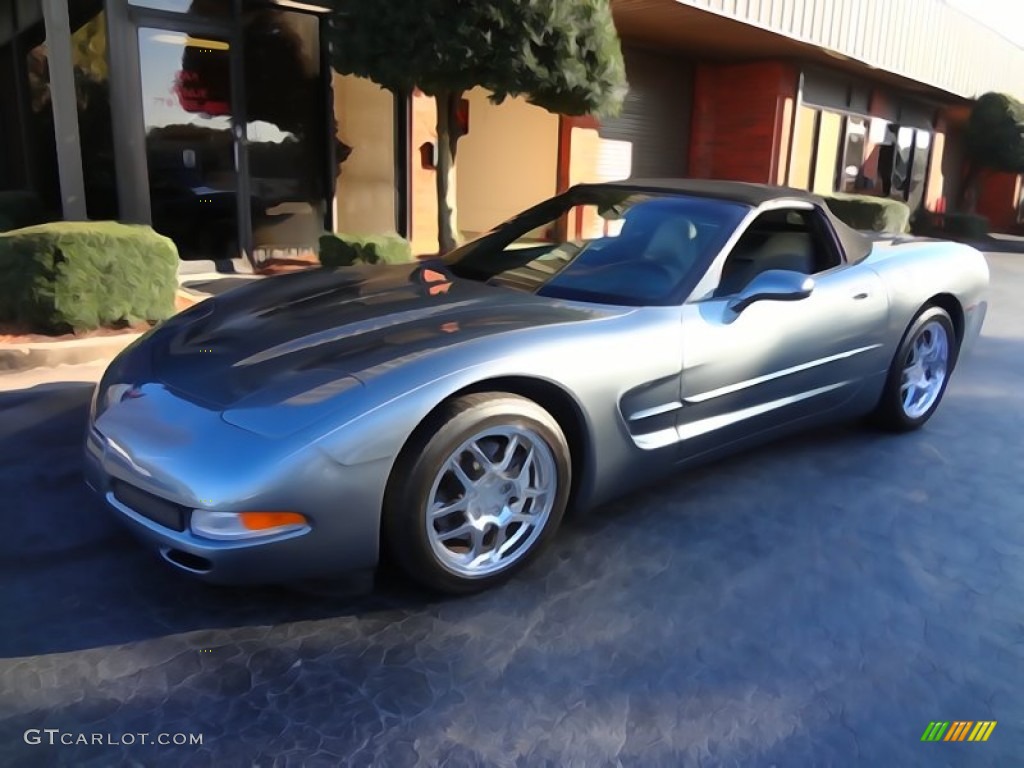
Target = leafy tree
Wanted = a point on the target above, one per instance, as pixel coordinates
(563, 55)
(89, 48)
(994, 138)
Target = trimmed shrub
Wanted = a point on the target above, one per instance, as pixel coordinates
(957, 226)
(20, 209)
(82, 275)
(874, 214)
(339, 250)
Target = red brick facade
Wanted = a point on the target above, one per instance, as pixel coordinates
(997, 193)
(742, 117)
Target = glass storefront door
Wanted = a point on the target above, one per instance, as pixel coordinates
(235, 115)
(285, 131)
(190, 140)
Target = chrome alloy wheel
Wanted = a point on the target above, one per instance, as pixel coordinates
(925, 369)
(491, 500)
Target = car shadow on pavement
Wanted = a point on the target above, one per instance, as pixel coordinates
(797, 604)
(71, 578)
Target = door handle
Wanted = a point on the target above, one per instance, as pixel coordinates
(861, 295)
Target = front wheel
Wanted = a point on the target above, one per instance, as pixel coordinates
(919, 373)
(478, 494)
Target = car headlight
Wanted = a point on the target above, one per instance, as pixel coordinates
(228, 526)
(127, 371)
(106, 396)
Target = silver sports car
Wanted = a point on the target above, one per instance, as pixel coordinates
(447, 413)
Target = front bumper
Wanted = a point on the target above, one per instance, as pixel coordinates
(974, 319)
(166, 481)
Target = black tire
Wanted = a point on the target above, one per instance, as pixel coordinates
(404, 527)
(890, 413)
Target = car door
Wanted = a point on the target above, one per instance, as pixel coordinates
(776, 361)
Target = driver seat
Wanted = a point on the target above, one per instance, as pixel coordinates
(792, 251)
(674, 244)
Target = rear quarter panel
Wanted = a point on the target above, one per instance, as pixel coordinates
(917, 272)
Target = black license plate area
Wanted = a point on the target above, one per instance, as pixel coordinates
(160, 511)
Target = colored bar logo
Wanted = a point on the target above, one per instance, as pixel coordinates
(959, 730)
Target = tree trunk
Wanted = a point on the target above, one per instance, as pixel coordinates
(967, 199)
(448, 135)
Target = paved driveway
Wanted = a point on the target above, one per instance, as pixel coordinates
(816, 603)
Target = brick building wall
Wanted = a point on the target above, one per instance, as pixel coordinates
(997, 197)
(742, 118)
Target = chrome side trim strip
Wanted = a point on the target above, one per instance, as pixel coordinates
(654, 440)
(728, 390)
(656, 410)
(665, 437)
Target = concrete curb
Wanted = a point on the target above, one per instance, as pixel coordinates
(22, 357)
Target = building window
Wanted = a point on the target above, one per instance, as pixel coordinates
(903, 163)
(221, 8)
(839, 152)
(851, 177)
(28, 152)
(32, 97)
(92, 90)
(13, 173)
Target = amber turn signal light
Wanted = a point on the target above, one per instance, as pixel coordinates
(260, 521)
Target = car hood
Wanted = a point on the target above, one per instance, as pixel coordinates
(307, 337)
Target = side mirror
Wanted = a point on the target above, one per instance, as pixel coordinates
(773, 285)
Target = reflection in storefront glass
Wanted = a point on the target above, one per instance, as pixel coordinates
(190, 148)
(918, 169)
(901, 161)
(95, 126)
(285, 131)
(853, 155)
(220, 8)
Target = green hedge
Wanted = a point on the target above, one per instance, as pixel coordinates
(70, 275)
(20, 209)
(874, 214)
(340, 250)
(966, 226)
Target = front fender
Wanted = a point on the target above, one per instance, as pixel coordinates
(595, 365)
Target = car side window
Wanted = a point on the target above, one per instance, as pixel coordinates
(794, 239)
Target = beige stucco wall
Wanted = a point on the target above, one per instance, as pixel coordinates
(803, 148)
(593, 158)
(935, 186)
(507, 162)
(422, 178)
(828, 152)
(364, 200)
(951, 168)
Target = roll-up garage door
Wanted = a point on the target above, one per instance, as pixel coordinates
(655, 118)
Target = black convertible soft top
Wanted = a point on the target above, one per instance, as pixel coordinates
(856, 245)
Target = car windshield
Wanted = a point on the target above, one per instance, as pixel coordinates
(603, 244)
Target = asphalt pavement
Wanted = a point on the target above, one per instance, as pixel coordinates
(818, 602)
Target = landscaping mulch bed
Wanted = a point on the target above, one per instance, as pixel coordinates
(12, 334)
(279, 266)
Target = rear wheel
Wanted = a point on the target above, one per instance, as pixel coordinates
(478, 494)
(919, 372)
